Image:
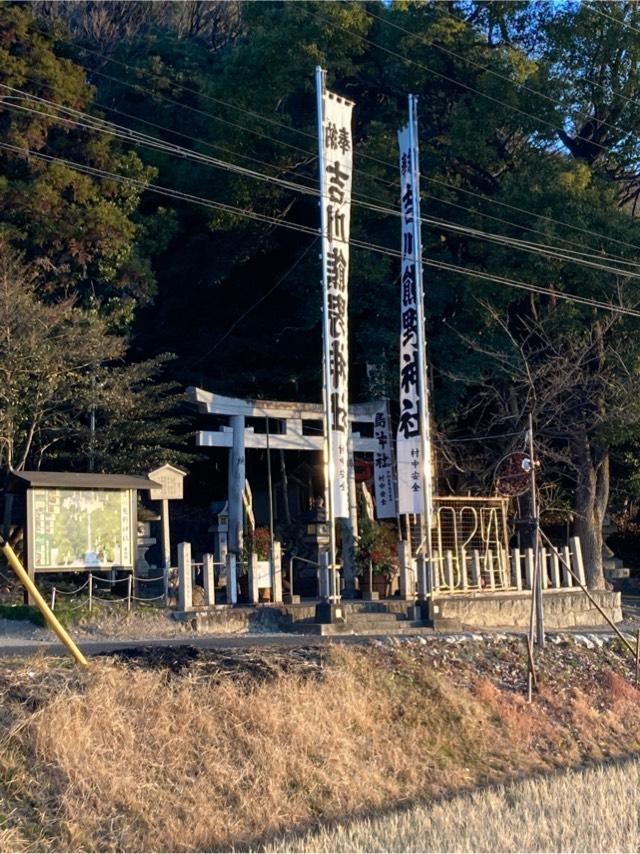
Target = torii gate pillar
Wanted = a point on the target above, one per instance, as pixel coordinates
(236, 484)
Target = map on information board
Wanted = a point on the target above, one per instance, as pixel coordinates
(81, 528)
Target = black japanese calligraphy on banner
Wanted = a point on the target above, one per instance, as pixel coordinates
(384, 483)
(337, 145)
(408, 452)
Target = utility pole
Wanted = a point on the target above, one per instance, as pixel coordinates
(92, 426)
(537, 579)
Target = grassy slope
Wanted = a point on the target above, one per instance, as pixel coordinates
(225, 752)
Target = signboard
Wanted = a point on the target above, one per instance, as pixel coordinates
(170, 479)
(79, 529)
(384, 484)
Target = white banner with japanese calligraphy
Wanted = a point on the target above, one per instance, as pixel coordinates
(383, 479)
(337, 143)
(410, 481)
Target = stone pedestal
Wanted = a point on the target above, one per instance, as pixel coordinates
(143, 544)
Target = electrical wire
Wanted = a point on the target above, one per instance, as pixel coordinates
(486, 69)
(617, 21)
(440, 265)
(251, 308)
(262, 117)
(102, 126)
(453, 80)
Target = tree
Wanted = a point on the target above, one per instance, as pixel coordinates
(54, 357)
(138, 420)
(82, 232)
(45, 351)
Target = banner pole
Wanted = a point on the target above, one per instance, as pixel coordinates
(328, 462)
(425, 588)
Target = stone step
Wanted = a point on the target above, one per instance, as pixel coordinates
(379, 627)
(367, 617)
(359, 606)
(372, 628)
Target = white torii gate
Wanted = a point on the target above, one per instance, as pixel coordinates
(295, 423)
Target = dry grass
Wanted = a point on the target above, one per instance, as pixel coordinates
(127, 758)
(593, 810)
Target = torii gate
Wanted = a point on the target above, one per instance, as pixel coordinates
(295, 422)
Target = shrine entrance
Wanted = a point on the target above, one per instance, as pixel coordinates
(283, 425)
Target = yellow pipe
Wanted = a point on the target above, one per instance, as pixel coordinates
(48, 614)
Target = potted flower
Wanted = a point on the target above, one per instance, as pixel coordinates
(377, 557)
(261, 547)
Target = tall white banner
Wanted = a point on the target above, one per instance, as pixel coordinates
(408, 448)
(336, 165)
(383, 479)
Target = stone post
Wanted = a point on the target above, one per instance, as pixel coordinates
(323, 575)
(253, 579)
(185, 588)
(276, 570)
(407, 577)
(209, 580)
(232, 580)
(578, 563)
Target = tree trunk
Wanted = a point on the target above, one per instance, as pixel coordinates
(592, 496)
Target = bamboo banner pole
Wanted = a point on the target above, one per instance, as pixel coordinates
(47, 613)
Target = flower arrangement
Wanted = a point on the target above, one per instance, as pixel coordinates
(378, 546)
(261, 542)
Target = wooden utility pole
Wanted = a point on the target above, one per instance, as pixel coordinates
(536, 590)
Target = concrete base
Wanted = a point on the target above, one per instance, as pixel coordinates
(291, 599)
(329, 612)
(563, 609)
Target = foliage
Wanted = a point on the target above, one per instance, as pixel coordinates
(377, 546)
(45, 349)
(22, 612)
(528, 129)
(52, 355)
(82, 232)
(261, 542)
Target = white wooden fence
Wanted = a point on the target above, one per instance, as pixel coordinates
(490, 570)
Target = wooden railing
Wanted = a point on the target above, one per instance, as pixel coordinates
(494, 569)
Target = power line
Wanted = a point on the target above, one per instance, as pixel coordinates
(617, 21)
(239, 320)
(291, 171)
(230, 105)
(452, 80)
(440, 265)
(199, 93)
(100, 125)
(486, 69)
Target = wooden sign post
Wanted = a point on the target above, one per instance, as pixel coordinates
(171, 480)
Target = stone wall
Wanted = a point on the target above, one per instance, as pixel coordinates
(563, 608)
